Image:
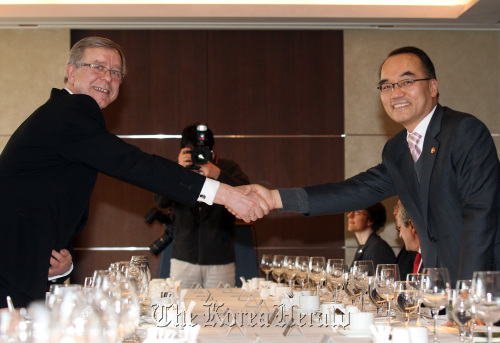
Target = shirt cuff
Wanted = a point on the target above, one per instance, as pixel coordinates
(62, 275)
(207, 194)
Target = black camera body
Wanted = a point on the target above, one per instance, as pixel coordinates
(200, 154)
(168, 230)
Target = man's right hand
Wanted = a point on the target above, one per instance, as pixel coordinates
(184, 157)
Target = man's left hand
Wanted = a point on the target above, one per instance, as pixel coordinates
(60, 262)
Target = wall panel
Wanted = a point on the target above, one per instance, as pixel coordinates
(274, 100)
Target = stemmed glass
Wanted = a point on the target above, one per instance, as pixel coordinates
(485, 296)
(289, 266)
(317, 268)
(266, 264)
(335, 270)
(301, 269)
(374, 296)
(434, 289)
(361, 270)
(386, 276)
(459, 310)
(278, 269)
(415, 279)
(407, 299)
(349, 289)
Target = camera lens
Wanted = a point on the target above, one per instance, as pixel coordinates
(160, 244)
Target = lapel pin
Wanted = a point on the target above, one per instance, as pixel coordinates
(433, 150)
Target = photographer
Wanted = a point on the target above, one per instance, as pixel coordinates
(203, 244)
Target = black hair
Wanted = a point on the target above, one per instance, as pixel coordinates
(376, 213)
(424, 58)
(189, 136)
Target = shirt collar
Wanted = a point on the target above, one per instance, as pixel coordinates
(421, 128)
(70, 92)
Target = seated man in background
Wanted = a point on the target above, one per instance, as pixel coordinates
(365, 224)
(203, 242)
(409, 258)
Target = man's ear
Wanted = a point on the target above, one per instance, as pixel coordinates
(413, 230)
(70, 72)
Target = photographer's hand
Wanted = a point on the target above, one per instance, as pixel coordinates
(210, 170)
(184, 157)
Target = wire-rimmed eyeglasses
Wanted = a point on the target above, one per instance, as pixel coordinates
(388, 87)
(102, 70)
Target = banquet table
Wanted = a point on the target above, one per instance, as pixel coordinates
(252, 314)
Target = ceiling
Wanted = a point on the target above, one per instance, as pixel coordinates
(472, 15)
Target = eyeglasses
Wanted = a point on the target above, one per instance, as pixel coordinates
(102, 70)
(388, 87)
(357, 213)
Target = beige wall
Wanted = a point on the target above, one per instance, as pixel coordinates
(467, 65)
(468, 71)
(31, 62)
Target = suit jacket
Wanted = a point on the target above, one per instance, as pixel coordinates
(47, 173)
(405, 261)
(454, 206)
(376, 250)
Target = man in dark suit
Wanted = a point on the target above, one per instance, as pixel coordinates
(49, 167)
(447, 177)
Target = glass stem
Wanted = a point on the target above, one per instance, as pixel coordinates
(388, 312)
(362, 302)
(435, 318)
(490, 334)
(267, 276)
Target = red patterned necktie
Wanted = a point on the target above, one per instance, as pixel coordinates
(416, 264)
(413, 139)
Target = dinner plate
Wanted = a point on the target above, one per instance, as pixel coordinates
(354, 333)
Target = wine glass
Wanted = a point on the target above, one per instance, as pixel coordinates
(317, 268)
(349, 289)
(301, 269)
(374, 296)
(289, 266)
(335, 270)
(266, 264)
(485, 295)
(407, 299)
(385, 278)
(361, 270)
(278, 269)
(434, 289)
(415, 279)
(459, 310)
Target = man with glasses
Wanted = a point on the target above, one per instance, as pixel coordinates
(443, 166)
(49, 167)
(409, 258)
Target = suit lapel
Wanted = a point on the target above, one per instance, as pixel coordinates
(428, 156)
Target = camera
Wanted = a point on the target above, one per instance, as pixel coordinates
(168, 230)
(200, 154)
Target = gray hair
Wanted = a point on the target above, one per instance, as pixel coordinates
(78, 51)
(403, 216)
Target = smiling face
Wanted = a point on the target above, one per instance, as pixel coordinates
(102, 88)
(410, 106)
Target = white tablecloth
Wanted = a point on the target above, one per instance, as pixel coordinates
(210, 309)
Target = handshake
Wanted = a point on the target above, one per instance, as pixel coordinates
(248, 202)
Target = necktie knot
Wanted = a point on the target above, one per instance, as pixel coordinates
(413, 139)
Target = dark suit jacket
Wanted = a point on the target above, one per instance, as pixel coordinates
(47, 173)
(376, 250)
(455, 206)
(405, 261)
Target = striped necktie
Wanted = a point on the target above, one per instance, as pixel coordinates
(413, 139)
